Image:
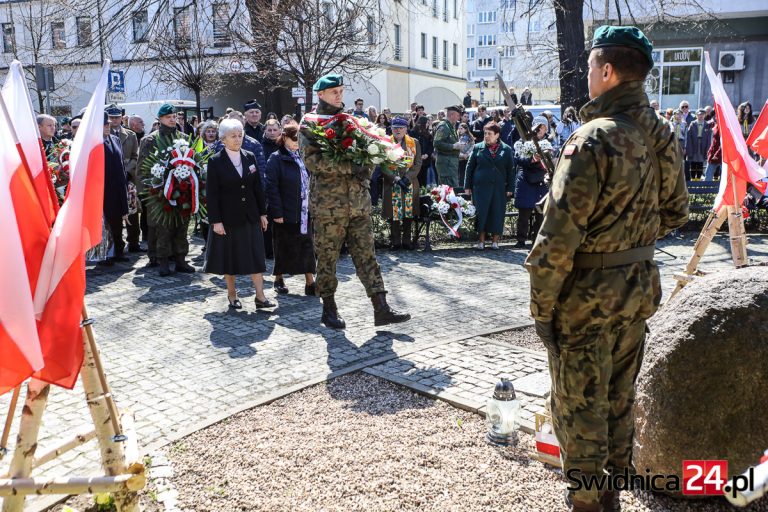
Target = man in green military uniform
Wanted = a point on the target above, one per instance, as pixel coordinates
(340, 207)
(618, 187)
(164, 242)
(447, 147)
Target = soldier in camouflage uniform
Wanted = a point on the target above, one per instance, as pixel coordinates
(593, 279)
(447, 147)
(163, 241)
(340, 207)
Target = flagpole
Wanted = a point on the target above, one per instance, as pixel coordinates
(738, 235)
(9, 421)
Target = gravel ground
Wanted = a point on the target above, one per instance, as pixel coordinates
(361, 443)
(522, 337)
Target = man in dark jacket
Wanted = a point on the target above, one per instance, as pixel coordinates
(115, 192)
(479, 123)
(253, 126)
(698, 138)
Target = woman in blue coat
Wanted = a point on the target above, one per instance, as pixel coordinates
(490, 179)
(530, 188)
(288, 207)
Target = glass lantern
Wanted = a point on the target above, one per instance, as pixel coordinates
(502, 414)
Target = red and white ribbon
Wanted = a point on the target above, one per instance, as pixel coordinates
(183, 158)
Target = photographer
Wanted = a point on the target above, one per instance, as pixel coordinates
(568, 125)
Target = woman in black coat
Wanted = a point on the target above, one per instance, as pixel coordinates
(237, 214)
(288, 198)
(271, 133)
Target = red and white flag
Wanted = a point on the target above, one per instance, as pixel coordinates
(738, 167)
(20, 352)
(758, 137)
(60, 291)
(16, 96)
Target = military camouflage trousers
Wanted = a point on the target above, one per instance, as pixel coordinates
(171, 242)
(330, 233)
(593, 392)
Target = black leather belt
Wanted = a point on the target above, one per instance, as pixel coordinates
(613, 259)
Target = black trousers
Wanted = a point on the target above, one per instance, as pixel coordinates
(528, 224)
(116, 228)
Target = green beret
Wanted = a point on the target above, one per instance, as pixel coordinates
(165, 109)
(631, 37)
(327, 82)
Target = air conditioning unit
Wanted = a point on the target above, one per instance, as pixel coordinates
(730, 60)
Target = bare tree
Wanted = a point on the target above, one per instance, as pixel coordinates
(308, 39)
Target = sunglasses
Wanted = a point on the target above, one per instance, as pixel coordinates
(292, 137)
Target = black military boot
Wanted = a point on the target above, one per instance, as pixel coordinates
(394, 235)
(383, 314)
(184, 267)
(610, 501)
(331, 317)
(407, 242)
(162, 267)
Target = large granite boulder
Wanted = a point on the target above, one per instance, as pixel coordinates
(702, 392)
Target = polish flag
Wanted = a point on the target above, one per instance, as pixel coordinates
(738, 167)
(758, 137)
(20, 352)
(60, 290)
(16, 96)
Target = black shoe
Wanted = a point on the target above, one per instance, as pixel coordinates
(331, 317)
(121, 259)
(395, 247)
(280, 287)
(105, 263)
(520, 244)
(265, 304)
(136, 248)
(152, 263)
(610, 501)
(184, 267)
(383, 314)
(162, 267)
(235, 304)
(310, 290)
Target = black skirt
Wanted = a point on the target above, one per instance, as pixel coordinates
(239, 252)
(294, 253)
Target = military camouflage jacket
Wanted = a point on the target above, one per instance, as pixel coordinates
(335, 189)
(606, 197)
(445, 138)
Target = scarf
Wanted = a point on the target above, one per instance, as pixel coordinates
(402, 200)
(493, 148)
(304, 175)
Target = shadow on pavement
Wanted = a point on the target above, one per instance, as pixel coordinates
(238, 331)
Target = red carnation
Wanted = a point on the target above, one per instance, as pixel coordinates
(350, 128)
(330, 133)
(454, 205)
(347, 143)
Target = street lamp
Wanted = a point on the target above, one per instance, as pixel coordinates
(501, 413)
(500, 49)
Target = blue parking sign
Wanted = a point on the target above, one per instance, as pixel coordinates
(116, 82)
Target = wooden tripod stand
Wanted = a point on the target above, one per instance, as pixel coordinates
(124, 470)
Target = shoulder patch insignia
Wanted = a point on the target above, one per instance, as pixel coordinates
(570, 149)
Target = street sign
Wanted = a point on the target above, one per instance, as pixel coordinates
(116, 81)
(44, 78)
(300, 100)
(116, 97)
(298, 92)
(235, 66)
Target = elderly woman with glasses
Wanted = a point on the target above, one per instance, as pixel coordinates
(288, 198)
(237, 213)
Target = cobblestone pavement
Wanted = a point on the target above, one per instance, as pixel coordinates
(176, 356)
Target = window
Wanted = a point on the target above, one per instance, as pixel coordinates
(445, 10)
(455, 54)
(486, 17)
(182, 27)
(140, 26)
(507, 26)
(221, 36)
(509, 51)
(434, 52)
(486, 40)
(507, 4)
(445, 55)
(58, 37)
(535, 26)
(370, 27)
(486, 64)
(435, 12)
(423, 45)
(470, 29)
(398, 49)
(327, 13)
(470, 53)
(83, 24)
(9, 38)
(455, 10)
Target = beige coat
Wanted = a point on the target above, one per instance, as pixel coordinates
(130, 146)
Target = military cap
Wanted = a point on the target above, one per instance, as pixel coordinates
(631, 37)
(251, 104)
(66, 120)
(538, 121)
(455, 108)
(399, 122)
(165, 109)
(327, 82)
(113, 110)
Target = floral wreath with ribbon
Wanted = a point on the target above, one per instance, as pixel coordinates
(58, 165)
(445, 201)
(343, 137)
(175, 175)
